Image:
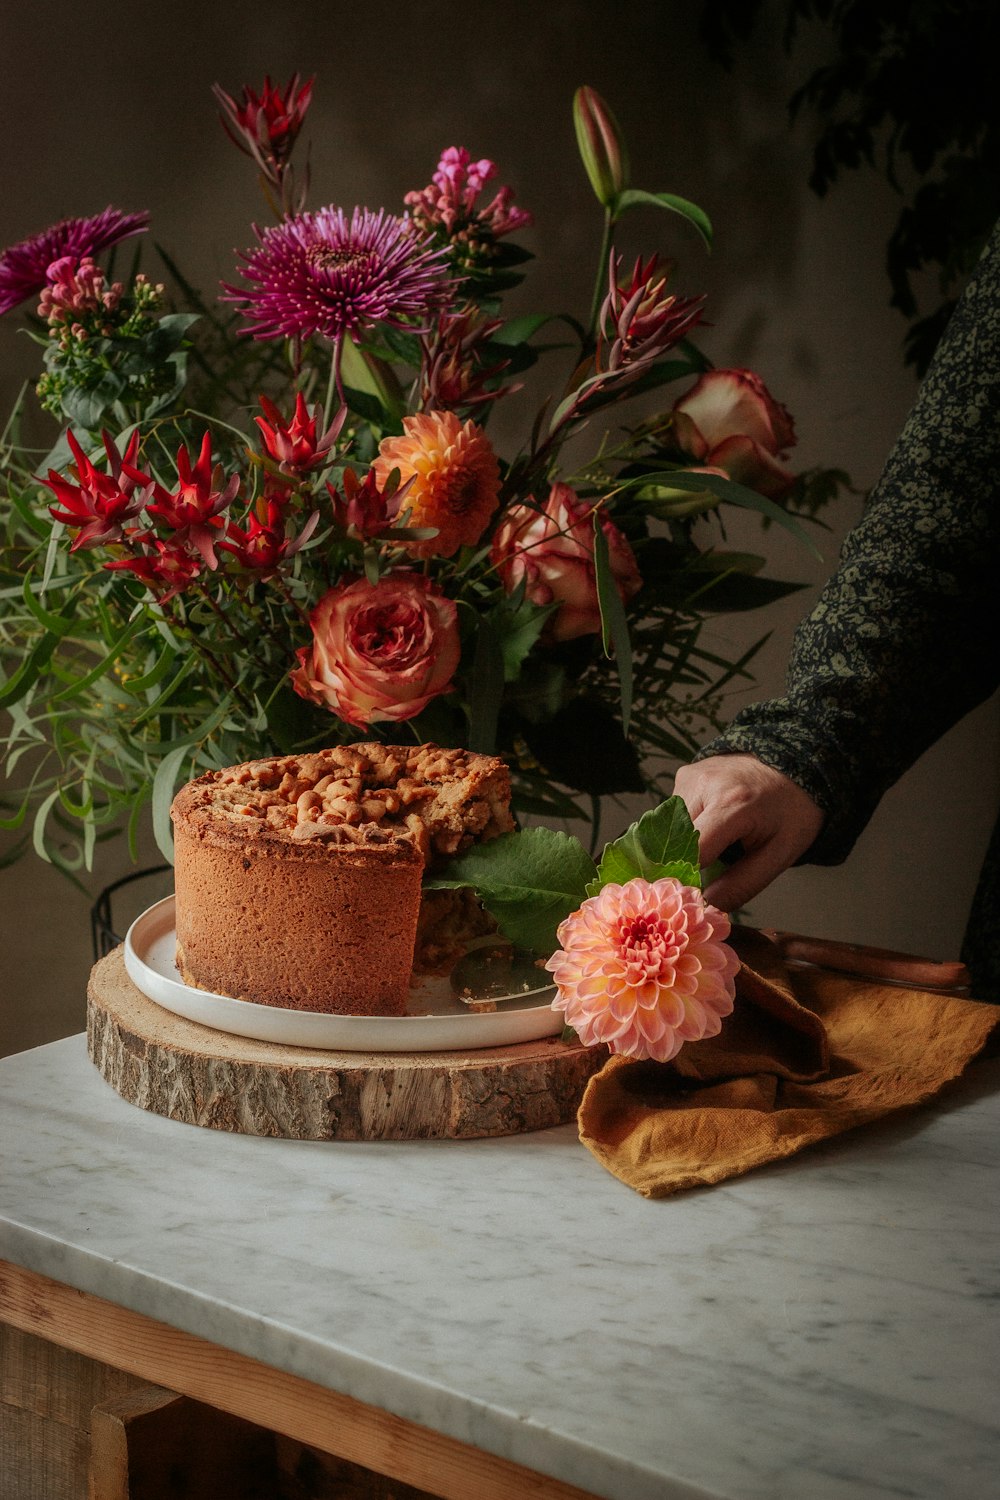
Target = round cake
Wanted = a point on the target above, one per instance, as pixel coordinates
(297, 878)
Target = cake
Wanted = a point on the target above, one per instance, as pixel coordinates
(298, 878)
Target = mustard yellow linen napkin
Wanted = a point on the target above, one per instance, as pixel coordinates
(805, 1055)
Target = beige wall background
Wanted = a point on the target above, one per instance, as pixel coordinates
(110, 103)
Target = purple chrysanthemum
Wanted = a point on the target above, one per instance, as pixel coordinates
(23, 266)
(322, 273)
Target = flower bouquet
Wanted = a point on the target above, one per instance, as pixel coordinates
(275, 520)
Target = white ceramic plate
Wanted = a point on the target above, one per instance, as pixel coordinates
(436, 1021)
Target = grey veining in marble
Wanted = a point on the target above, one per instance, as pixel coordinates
(826, 1328)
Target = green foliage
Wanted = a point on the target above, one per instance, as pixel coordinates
(663, 843)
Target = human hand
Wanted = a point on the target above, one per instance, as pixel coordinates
(737, 799)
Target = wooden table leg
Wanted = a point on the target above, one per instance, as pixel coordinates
(313, 1415)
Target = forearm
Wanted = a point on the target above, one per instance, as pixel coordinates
(902, 641)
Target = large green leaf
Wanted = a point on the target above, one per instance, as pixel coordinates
(518, 623)
(164, 786)
(639, 198)
(735, 494)
(663, 843)
(529, 882)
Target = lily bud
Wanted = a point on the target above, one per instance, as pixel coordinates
(602, 146)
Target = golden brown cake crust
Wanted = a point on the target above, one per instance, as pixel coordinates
(298, 877)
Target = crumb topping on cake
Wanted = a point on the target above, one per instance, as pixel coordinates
(439, 800)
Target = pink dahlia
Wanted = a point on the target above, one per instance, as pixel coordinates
(644, 968)
(322, 273)
(24, 266)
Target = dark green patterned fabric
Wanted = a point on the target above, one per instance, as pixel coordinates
(904, 639)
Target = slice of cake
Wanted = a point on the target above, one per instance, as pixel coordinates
(298, 878)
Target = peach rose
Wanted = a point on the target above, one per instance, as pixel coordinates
(730, 423)
(553, 550)
(379, 651)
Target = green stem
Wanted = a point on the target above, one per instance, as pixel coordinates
(334, 384)
(601, 282)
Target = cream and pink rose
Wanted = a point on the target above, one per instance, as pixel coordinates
(730, 424)
(552, 550)
(379, 651)
(644, 967)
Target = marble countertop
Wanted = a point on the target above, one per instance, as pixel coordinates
(826, 1327)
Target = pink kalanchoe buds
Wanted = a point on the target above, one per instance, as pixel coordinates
(644, 967)
(293, 445)
(551, 551)
(730, 423)
(265, 125)
(379, 651)
(99, 504)
(602, 146)
(446, 212)
(194, 513)
(76, 287)
(640, 319)
(449, 201)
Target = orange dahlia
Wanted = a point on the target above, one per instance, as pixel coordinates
(455, 479)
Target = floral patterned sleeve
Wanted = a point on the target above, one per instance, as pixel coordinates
(903, 641)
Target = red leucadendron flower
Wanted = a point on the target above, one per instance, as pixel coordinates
(98, 504)
(265, 125)
(166, 568)
(263, 544)
(294, 445)
(194, 513)
(640, 319)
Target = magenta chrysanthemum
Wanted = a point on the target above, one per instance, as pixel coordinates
(322, 273)
(23, 267)
(644, 968)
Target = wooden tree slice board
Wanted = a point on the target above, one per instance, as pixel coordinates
(174, 1067)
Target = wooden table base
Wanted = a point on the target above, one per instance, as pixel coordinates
(176, 1068)
(375, 1441)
